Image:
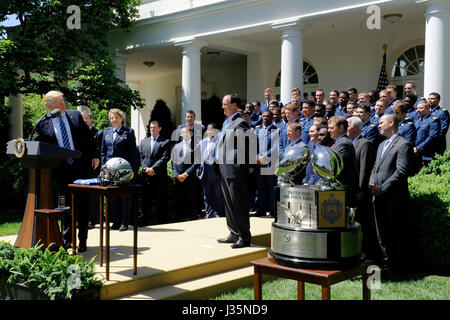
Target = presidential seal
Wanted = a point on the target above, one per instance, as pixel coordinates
(19, 148)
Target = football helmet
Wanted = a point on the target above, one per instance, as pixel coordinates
(116, 171)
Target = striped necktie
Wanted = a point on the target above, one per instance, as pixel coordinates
(65, 138)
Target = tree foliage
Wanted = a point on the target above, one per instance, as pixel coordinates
(43, 53)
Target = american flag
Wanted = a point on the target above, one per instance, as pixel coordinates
(382, 80)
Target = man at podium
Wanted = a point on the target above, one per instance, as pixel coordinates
(69, 131)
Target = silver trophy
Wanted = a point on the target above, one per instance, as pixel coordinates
(328, 165)
(291, 163)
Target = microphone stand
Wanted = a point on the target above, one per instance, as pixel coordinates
(50, 115)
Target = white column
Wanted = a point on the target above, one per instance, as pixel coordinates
(437, 48)
(120, 60)
(15, 117)
(191, 79)
(291, 58)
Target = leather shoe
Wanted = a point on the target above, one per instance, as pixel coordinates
(82, 248)
(115, 227)
(123, 228)
(230, 239)
(241, 243)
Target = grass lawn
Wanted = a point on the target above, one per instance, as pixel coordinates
(10, 221)
(410, 287)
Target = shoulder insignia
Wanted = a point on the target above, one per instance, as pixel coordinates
(435, 118)
(372, 125)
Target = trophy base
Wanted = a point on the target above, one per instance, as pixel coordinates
(318, 264)
(316, 248)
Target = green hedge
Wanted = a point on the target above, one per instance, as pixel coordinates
(430, 217)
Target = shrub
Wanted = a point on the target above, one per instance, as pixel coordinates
(56, 274)
(430, 219)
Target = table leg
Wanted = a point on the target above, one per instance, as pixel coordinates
(62, 228)
(101, 230)
(366, 289)
(48, 230)
(135, 239)
(300, 290)
(326, 292)
(257, 283)
(107, 237)
(74, 226)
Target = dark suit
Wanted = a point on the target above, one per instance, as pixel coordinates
(349, 176)
(391, 172)
(235, 175)
(188, 193)
(210, 177)
(365, 158)
(155, 187)
(124, 146)
(66, 173)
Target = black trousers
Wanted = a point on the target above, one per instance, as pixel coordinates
(236, 206)
(60, 179)
(391, 229)
(366, 218)
(121, 207)
(189, 197)
(155, 190)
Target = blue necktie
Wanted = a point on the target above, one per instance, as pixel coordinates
(65, 138)
(385, 147)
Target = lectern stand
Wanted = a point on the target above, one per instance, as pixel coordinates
(39, 158)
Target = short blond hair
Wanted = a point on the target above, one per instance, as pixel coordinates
(118, 112)
(50, 97)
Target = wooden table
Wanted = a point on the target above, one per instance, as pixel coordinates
(324, 278)
(105, 192)
(54, 234)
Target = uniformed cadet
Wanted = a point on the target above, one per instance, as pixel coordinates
(410, 102)
(380, 108)
(428, 130)
(341, 109)
(406, 127)
(278, 122)
(442, 114)
(307, 121)
(392, 90)
(265, 182)
(370, 130)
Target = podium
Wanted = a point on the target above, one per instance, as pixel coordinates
(39, 158)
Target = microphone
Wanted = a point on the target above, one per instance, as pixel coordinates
(53, 114)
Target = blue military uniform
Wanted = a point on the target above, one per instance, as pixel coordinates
(443, 116)
(283, 140)
(370, 132)
(341, 111)
(389, 106)
(412, 115)
(255, 119)
(305, 124)
(428, 130)
(265, 182)
(407, 130)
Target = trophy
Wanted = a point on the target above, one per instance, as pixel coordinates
(313, 228)
(291, 163)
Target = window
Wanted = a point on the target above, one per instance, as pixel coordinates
(410, 62)
(309, 75)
